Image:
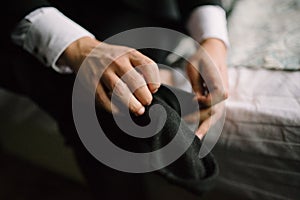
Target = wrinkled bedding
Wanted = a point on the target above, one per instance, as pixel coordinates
(259, 149)
(265, 34)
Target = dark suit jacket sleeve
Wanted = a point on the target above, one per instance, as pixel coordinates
(187, 6)
(17, 10)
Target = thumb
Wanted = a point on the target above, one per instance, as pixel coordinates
(195, 78)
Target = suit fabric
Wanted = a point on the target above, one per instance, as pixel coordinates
(53, 91)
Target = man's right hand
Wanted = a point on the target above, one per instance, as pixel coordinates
(114, 62)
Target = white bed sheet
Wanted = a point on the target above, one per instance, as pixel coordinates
(259, 149)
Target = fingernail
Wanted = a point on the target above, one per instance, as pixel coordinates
(199, 135)
(141, 111)
(154, 91)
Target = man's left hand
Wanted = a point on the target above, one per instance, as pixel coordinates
(211, 87)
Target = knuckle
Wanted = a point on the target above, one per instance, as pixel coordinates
(225, 94)
(108, 79)
(144, 95)
(120, 89)
(154, 86)
(111, 83)
(134, 80)
(139, 80)
(134, 107)
(219, 90)
(117, 62)
(150, 62)
(133, 51)
(106, 73)
(148, 100)
(101, 101)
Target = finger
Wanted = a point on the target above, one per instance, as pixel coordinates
(120, 89)
(200, 116)
(135, 82)
(213, 79)
(137, 85)
(216, 113)
(148, 68)
(127, 98)
(103, 100)
(203, 128)
(206, 100)
(195, 78)
(213, 97)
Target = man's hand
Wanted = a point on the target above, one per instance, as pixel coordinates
(211, 60)
(114, 62)
(211, 63)
(208, 117)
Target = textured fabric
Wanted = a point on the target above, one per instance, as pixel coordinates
(194, 174)
(208, 22)
(259, 150)
(53, 93)
(166, 10)
(40, 84)
(273, 42)
(45, 33)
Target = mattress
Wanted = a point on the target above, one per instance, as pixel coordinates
(259, 149)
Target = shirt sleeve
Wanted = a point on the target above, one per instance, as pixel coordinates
(46, 33)
(208, 21)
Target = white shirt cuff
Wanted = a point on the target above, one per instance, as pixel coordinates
(46, 33)
(208, 22)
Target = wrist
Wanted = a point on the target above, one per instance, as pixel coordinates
(77, 51)
(216, 49)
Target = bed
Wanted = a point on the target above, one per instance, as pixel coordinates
(259, 149)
